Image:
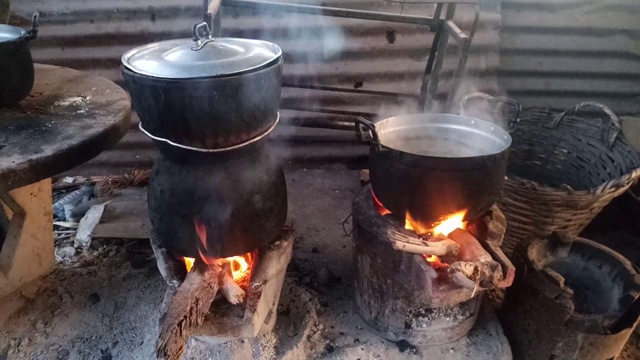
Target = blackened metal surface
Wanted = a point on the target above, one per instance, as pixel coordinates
(431, 188)
(70, 118)
(207, 113)
(239, 197)
(391, 286)
(16, 71)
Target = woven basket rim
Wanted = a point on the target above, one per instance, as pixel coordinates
(612, 185)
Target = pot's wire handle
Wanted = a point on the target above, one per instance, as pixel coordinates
(495, 104)
(515, 119)
(370, 132)
(32, 33)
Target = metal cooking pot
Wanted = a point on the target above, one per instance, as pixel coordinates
(204, 92)
(16, 64)
(427, 166)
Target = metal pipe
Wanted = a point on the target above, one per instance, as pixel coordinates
(439, 59)
(465, 48)
(286, 105)
(320, 124)
(424, 86)
(351, 91)
(332, 11)
(455, 32)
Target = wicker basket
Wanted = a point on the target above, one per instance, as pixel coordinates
(564, 168)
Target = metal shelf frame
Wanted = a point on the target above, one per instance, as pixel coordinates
(441, 24)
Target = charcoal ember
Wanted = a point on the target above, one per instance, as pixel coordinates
(422, 318)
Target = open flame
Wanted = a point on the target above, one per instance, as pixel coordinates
(450, 223)
(240, 265)
(435, 262)
(446, 226)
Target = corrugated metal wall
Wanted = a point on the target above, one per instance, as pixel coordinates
(561, 52)
(553, 52)
(91, 35)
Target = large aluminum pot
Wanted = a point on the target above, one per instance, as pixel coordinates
(204, 92)
(16, 64)
(425, 167)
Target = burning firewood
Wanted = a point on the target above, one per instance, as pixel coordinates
(440, 246)
(188, 309)
(230, 289)
(474, 264)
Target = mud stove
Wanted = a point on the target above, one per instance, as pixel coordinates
(218, 229)
(426, 290)
(574, 299)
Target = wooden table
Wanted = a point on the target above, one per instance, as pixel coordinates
(69, 118)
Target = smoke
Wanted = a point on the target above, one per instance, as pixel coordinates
(309, 43)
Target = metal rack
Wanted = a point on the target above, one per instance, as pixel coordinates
(441, 24)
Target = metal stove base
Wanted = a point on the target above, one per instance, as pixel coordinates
(438, 326)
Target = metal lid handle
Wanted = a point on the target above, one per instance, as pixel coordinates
(201, 36)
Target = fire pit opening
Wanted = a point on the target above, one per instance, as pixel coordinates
(425, 289)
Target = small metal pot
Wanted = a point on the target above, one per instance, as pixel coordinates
(203, 92)
(16, 64)
(427, 166)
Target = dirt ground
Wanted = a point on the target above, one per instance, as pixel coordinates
(104, 304)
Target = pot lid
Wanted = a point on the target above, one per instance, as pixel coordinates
(9, 33)
(202, 56)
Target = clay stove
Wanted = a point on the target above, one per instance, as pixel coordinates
(575, 299)
(218, 231)
(406, 292)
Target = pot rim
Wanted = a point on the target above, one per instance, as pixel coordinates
(16, 33)
(172, 61)
(474, 122)
(126, 71)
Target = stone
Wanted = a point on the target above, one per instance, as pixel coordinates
(40, 325)
(65, 252)
(94, 298)
(30, 291)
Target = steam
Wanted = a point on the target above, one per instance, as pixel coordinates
(308, 43)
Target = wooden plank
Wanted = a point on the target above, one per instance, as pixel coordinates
(126, 216)
(27, 252)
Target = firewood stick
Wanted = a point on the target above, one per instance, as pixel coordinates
(230, 289)
(188, 309)
(437, 248)
(470, 249)
(474, 262)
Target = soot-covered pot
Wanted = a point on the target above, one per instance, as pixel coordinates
(205, 92)
(16, 64)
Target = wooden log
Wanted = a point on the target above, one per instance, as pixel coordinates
(188, 309)
(474, 262)
(230, 289)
